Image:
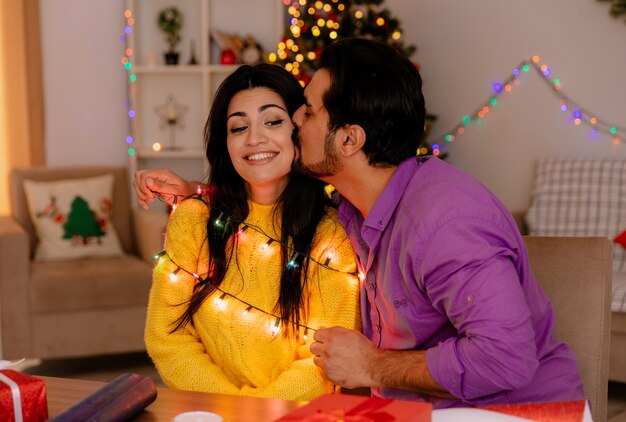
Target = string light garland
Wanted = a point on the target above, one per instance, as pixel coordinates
(579, 114)
(225, 221)
(127, 62)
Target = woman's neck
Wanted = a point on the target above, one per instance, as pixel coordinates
(266, 194)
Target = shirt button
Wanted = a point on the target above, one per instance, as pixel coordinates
(470, 298)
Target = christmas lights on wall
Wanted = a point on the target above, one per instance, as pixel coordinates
(579, 115)
(127, 62)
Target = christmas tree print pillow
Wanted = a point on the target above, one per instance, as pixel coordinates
(72, 218)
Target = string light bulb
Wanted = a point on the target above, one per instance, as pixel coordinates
(266, 245)
(218, 221)
(276, 327)
(173, 277)
(329, 257)
(293, 264)
(221, 302)
(241, 230)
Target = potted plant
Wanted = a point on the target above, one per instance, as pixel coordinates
(170, 22)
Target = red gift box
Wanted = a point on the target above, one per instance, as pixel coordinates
(22, 397)
(346, 408)
(561, 411)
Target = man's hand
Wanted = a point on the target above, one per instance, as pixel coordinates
(346, 356)
(151, 183)
(350, 360)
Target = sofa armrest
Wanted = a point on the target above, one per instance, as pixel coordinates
(149, 231)
(15, 324)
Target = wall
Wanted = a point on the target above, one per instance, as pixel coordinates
(463, 47)
(84, 81)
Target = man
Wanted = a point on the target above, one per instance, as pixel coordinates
(450, 309)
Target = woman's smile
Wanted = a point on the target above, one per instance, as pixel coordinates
(261, 156)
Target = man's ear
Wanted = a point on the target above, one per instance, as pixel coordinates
(353, 140)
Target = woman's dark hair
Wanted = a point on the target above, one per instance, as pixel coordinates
(374, 86)
(300, 207)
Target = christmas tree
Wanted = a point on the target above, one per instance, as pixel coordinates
(618, 7)
(313, 25)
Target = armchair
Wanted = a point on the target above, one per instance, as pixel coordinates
(575, 273)
(89, 306)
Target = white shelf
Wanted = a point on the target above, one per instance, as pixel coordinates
(161, 69)
(191, 86)
(169, 153)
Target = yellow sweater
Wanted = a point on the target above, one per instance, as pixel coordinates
(228, 350)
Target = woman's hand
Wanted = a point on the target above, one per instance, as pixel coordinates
(154, 183)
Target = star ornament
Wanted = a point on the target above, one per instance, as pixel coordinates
(171, 113)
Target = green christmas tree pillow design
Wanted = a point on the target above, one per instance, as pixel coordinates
(82, 224)
(72, 218)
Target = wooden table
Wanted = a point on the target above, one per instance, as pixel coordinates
(63, 393)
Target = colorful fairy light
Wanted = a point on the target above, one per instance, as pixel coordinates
(132, 78)
(266, 245)
(580, 115)
(276, 327)
(222, 297)
(173, 277)
(329, 257)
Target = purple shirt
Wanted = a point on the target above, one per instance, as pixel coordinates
(446, 271)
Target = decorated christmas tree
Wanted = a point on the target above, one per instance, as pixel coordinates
(313, 25)
(618, 7)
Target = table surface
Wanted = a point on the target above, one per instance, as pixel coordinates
(63, 393)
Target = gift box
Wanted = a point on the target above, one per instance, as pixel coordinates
(22, 397)
(346, 408)
(564, 411)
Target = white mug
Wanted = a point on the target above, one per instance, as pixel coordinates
(197, 417)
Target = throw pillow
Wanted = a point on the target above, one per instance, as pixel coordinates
(620, 239)
(72, 218)
(584, 197)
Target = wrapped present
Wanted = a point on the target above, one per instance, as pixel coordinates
(22, 397)
(346, 408)
(562, 411)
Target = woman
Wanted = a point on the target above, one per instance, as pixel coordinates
(257, 262)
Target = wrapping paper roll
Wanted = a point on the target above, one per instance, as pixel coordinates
(120, 400)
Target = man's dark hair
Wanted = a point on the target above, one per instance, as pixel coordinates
(374, 86)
